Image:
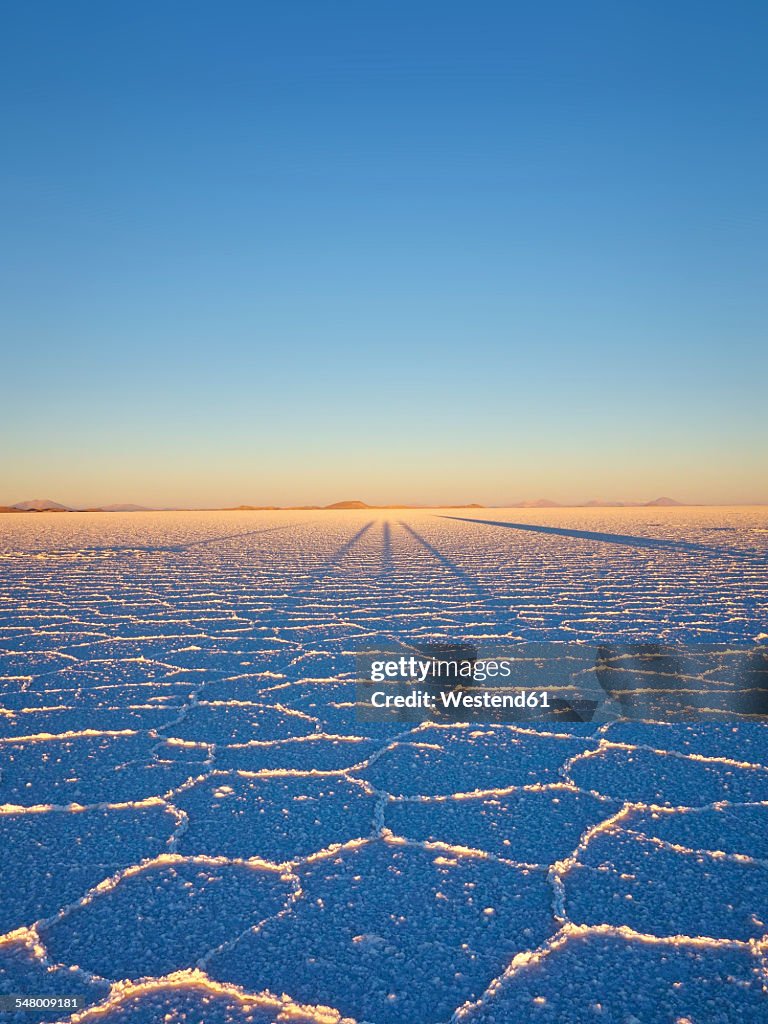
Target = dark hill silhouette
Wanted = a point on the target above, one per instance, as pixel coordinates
(40, 505)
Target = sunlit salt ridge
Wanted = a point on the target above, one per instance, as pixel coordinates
(199, 829)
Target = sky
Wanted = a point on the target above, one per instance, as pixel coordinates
(300, 251)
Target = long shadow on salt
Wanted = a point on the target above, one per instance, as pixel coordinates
(609, 538)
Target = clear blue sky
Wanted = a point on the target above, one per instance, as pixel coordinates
(292, 251)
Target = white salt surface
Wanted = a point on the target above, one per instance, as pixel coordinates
(195, 828)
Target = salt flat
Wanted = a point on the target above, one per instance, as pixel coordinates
(195, 827)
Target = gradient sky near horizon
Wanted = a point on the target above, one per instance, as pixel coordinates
(306, 250)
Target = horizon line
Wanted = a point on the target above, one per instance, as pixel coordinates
(542, 504)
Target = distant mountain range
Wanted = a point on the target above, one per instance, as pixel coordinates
(45, 505)
(599, 503)
(537, 503)
(38, 505)
(321, 508)
(120, 508)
